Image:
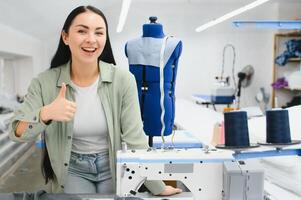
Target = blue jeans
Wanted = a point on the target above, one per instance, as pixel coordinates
(89, 173)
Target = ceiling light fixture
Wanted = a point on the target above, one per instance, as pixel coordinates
(123, 14)
(231, 14)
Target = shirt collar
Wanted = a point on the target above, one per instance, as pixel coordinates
(106, 73)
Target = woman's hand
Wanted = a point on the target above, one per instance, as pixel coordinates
(60, 109)
(169, 190)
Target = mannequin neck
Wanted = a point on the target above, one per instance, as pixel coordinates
(153, 30)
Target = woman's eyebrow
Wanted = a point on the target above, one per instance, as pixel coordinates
(81, 25)
(86, 27)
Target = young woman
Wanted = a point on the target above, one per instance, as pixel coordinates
(86, 107)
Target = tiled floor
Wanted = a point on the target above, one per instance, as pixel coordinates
(27, 178)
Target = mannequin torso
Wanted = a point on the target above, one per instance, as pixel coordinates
(146, 60)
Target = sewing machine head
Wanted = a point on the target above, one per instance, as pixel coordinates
(200, 170)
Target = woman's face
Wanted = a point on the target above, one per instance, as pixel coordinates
(86, 37)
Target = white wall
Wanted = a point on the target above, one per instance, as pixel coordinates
(290, 11)
(26, 54)
(8, 78)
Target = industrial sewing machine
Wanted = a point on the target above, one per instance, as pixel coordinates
(209, 174)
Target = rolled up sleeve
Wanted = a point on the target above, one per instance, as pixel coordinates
(131, 123)
(29, 112)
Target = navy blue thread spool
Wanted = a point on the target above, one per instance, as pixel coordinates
(277, 129)
(236, 129)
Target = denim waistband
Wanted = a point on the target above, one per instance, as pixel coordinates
(92, 155)
(94, 167)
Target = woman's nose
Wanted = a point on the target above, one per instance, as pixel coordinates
(91, 38)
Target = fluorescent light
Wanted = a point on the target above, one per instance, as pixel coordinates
(231, 14)
(123, 14)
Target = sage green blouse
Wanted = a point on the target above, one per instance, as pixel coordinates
(118, 93)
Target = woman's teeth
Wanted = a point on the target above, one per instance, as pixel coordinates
(89, 49)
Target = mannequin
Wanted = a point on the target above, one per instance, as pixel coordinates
(152, 29)
(156, 95)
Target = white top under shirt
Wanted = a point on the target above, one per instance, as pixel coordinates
(90, 130)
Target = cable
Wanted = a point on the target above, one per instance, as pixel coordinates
(233, 63)
(173, 137)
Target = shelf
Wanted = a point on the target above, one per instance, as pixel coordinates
(294, 59)
(288, 88)
(285, 24)
(294, 33)
(283, 96)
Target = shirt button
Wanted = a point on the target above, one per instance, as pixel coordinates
(30, 126)
(66, 164)
(69, 137)
(35, 118)
(62, 186)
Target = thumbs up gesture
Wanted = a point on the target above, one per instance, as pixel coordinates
(62, 93)
(60, 109)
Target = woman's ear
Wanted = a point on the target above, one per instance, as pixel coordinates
(65, 37)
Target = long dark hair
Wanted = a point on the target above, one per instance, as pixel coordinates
(47, 170)
(63, 54)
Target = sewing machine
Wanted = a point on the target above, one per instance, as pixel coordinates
(209, 174)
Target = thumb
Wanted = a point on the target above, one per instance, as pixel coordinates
(62, 93)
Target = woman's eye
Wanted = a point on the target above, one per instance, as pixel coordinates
(81, 31)
(99, 33)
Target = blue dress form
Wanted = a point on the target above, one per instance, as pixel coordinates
(157, 102)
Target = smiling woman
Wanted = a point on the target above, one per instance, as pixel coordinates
(86, 39)
(86, 107)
